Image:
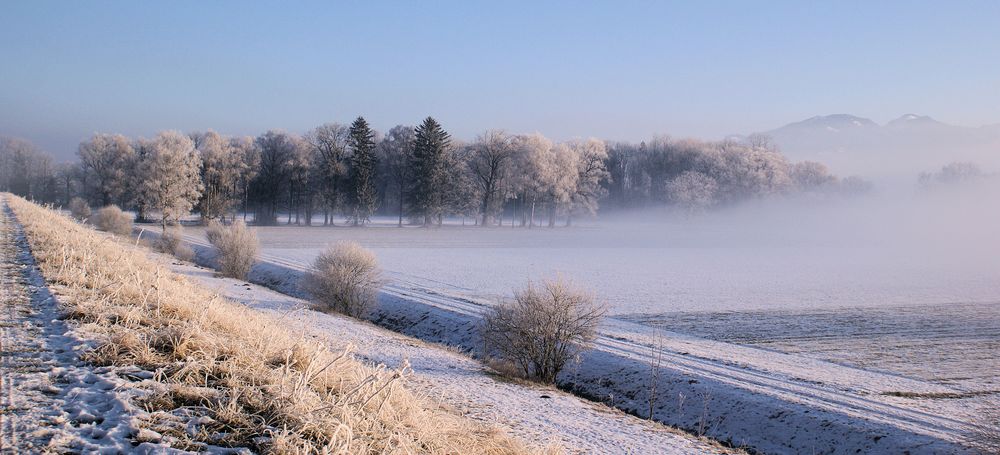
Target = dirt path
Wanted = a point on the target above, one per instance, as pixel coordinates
(26, 406)
(51, 401)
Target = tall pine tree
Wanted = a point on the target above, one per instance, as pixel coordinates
(362, 177)
(427, 164)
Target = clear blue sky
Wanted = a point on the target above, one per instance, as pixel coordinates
(614, 70)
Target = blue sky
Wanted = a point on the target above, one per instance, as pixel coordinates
(614, 70)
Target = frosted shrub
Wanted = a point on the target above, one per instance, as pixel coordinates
(237, 248)
(171, 242)
(112, 219)
(345, 278)
(79, 209)
(543, 328)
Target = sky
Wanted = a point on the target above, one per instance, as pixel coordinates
(614, 70)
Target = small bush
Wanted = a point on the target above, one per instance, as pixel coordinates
(344, 278)
(79, 209)
(543, 328)
(237, 248)
(112, 219)
(171, 242)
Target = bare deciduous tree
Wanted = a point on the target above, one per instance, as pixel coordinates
(396, 150)
(330, 164)
(222, 167)
(490, 162)
(106, 161)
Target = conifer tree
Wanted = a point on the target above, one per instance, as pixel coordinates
(427, 196)
(362, 174)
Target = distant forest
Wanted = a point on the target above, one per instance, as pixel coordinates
(419, 175)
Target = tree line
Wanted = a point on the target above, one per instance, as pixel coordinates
(417, 174)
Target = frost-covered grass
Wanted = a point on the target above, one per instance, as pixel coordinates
(253, 382)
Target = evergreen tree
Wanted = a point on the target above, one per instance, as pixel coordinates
(362, 175)
(427, 196)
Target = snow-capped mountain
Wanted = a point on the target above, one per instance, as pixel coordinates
(832, 123)
(908, 144)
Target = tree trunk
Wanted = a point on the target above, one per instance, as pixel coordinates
(531, 219)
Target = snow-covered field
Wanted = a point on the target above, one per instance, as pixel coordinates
(885, 322)
(894, 290)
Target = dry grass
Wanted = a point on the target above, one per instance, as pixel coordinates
(112, 219)
(254, 383)
(345, 278)
(237, 246)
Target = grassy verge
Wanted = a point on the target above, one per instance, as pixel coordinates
(240, 375)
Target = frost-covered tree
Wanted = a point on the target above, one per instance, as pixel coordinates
(427, 165)
(692, 190)
(140, 199)
(747, 172)
(222, 166)
(491, 159)
(854, 186)
(301, 194)
(362, 172)
(952, 173)
(27, 171)
(396, 150)
(811, 176)
(462, 195)
(329, 145)
(547, 175)
(172, 176)
(246, 149)
(106, 160)
(591, 157)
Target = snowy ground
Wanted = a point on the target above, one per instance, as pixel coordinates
(540, 415)
(767, 400)
(50, 401)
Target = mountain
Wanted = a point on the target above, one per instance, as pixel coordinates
(831, 124)
(909, 144)
(920, 122)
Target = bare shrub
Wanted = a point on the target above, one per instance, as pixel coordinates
(543, 328)
(79, 209)
(345, 278)
(237, 248)
(171, 242)
(112, 219)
